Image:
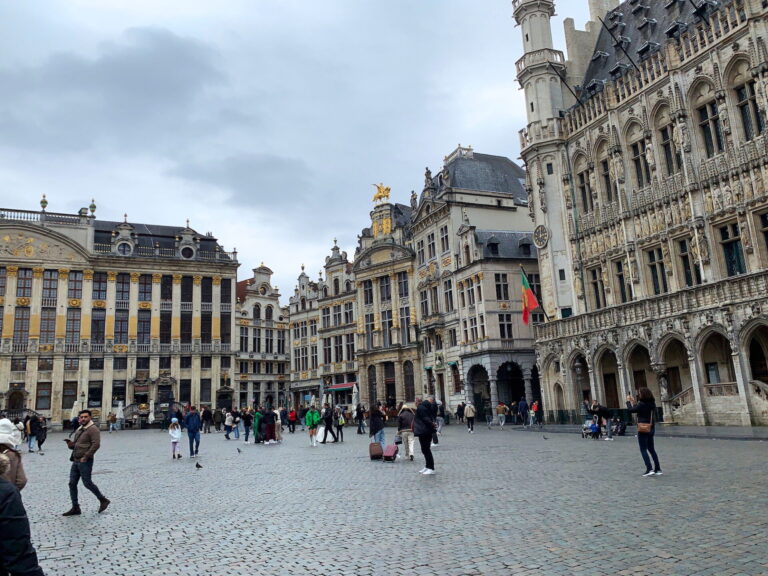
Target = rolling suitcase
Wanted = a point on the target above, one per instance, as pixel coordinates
(375, 451)
(390, 453)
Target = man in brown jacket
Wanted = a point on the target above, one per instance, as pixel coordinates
(86, 443)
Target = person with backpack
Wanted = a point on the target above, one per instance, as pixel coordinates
(338, 422)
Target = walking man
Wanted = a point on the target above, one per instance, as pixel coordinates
(423, 428)
(193, 424)
(207, 417)
(501, 412)
(469, 414)
(328, 423)
(87, 441)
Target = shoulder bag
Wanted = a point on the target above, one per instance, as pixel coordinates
(645, 427)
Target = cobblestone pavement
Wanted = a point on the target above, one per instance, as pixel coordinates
(502, 502)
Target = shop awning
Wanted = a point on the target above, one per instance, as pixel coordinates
(342, 386)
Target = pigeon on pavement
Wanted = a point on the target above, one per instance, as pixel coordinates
(197, 465)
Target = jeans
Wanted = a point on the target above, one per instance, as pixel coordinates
(206, 427)
(247, 433)
(646, 445)
(31, 440)
(471, 423)
(502, 420)
(113, 426)
(340, 432)
(440, 424)
(78, 471)
(607, 427)
(194, 442)
(424, 441)
(379, 437)
(408, 438)
(236, 430)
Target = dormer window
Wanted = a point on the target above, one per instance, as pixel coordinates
(187, 253)
(647, 22)
(124, 249)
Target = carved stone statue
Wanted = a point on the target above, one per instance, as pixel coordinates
(649, 156)
(382, 193)
(617, 168)
(414, 199)
(680, 135)
(427, 177)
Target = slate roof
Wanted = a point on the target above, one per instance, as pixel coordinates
(147, 235)
(487, 173)
(643, 27)
(510, 244)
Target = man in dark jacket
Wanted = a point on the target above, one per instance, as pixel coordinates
(207, 417)
(376, 428)
(17, 556)
(85, 445)
(328, 423)
(605, 415)
(193, 424)
(423, 428)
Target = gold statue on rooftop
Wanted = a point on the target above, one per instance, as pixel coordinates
(382, 193)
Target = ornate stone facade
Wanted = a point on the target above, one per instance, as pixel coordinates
(652, 190)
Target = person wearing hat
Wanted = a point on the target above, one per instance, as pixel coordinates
(10, 438)
(17, 555)
(405, 428)
(174, 430)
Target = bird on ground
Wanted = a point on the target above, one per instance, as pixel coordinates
(239, 451)
(545, 438)
(197, 465)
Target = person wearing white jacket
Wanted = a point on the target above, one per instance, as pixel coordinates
(175, 432)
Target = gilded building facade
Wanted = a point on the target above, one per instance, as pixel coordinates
(262, 373)
(646, 155)
(98, 313)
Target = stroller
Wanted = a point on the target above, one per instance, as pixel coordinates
(618, 428)
(591, 429)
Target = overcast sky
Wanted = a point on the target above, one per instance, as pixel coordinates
(265, 122)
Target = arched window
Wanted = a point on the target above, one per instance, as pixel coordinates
(303, 303)
(752, 120)
(410, 387)
(348, 286)
(583, 182)
(608, 183)
(665, 128)
(268, 313)
(708, 118)
(636, 144)
(335, 286)
(325, 291)
(257, 312)
(466, 255)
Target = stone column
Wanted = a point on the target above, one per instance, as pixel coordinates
(399, 383)
(623, 383)
(61, 311)
(109, 332)
(196, 311)
(381, 389)
(742, 382)
(35, 307)
(696, 376)
(155, 321)
(528, 385)
(176, 312)
(493, 385)
(660, 370)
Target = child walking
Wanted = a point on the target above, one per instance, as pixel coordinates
(175, 431)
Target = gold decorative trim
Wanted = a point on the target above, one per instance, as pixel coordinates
(177, 278)
(243, 321)
(217, 280)
(156, 278)
(37, 272)
(63, 272)
(22, 301)
(11, 271)
(99, 304)
(120, 348)
(145, 305)
(45, 348)
(135, 277)
(243, 376)
(74, 303)
(111, 276)
(197, 280)
(87, 274)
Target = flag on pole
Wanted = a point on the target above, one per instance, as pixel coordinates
(530, 302)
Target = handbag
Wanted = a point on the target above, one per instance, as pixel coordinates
(645, 427)
(398, 439)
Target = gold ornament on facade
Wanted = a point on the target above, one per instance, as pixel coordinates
(382, 193)
(197, 280)
(111, 276)
(217, 280)
(22, 301)
(45, 348)
(177, 278)
(135, 277)
(11, 271)
(120, 348)
(99, 304)
(145, 305)
(87, 274)
(2, 300)
(37, 272)
(243, 321)
(156, 278)
(63, 272)
(74, 302)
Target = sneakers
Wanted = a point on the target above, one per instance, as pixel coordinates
(611, 439)
(658, 473)
(428, 472)
(74, 511)
(650, 473)
(104, 502)
(420, 472)
(411, 457)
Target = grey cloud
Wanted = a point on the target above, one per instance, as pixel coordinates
(266, 182)
(138, 92)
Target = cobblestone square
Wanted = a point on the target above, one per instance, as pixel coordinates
(508, 502)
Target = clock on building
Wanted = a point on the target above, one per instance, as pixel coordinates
(540, 236)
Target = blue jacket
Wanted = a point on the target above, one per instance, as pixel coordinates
(192, 422)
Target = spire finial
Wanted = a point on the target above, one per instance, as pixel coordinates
(334, 241)
(92, 207)
(302, 268)
(125, 217)
(187, 222)
(43, 203)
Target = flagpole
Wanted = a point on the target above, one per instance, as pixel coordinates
(540, 306)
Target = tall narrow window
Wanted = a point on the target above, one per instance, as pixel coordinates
(711, 131)
(673, 160)
(121, 326)
(402, 284)
(625, 293)
(751, 117)
(658, 272)
(640, 162)
(385, 289)
(505, 326)
(50, 284)
(3, 280)
(730, 240)
(47, 325)
(420, 252)
(585, 193)
(369, 329)
(424, 302)
(75, 285)
(431, 251)
(502, 287)
(445, 245)
(405, 325)
(123, 288)
(24, 283)
(99, 286)
(598, 290)
(145, 288)
(367, 292)
(144, 327)
(448, 295)
(72, 330)
(98, 325)
(691, 272)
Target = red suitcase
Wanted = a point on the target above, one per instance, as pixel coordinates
(375, 450)
(390, 453)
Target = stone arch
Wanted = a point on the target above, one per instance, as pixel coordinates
(633, 129)
(510, 382)
(673, 355)
(638, 362)
(738, 70)
(606, 363)
(479, 386)
(702, 90)
(579, 367)
(713, 350)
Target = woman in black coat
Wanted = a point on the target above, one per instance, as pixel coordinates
(17, 556)
(423, 428)
(645, 408)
